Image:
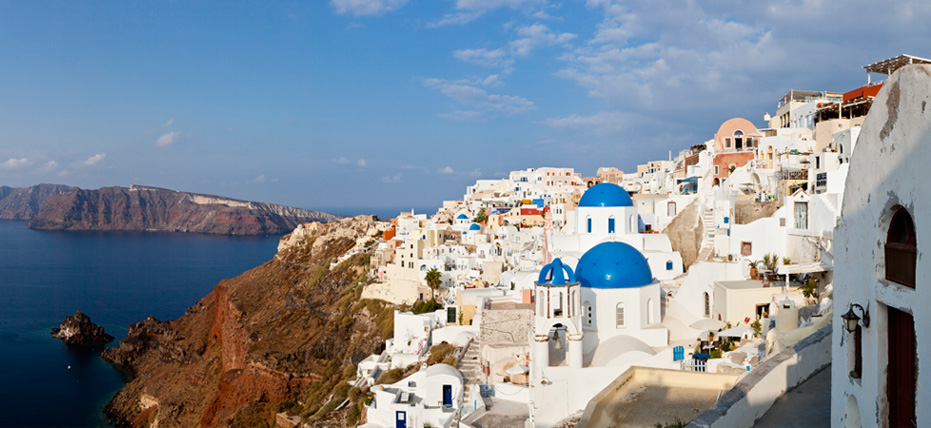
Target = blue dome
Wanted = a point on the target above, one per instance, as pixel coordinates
(556, 273)
(461, 217)
(475, 226)
(613, 265)
(606, 195)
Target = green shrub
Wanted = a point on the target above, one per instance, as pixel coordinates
(716, 353)
(426, 306)
(390, 376)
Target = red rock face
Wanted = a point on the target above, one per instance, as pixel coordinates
(153, 209)
(277, 333)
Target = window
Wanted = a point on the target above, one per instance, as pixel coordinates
(671, 209)
(589, 221)
(801, 215)
(587, 311)
(611, 224)
(901, 249)
(669, 265)
(727, 143)
(715, 170)
(817, 162)
(557, 311)
(620, 315)
(707, 305)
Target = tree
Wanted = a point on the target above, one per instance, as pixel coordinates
(434, 278)
(481, 217)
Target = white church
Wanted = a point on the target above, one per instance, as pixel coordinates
(597, 305)
(606, 213)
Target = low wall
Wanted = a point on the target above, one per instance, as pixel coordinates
(759, 389)
(636, 376)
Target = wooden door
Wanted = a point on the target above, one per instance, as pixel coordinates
(902, 373)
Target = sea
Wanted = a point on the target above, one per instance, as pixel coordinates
(116, 278)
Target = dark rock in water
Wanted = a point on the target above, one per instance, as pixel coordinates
(78, 330)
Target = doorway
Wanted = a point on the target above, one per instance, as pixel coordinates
(900, 392)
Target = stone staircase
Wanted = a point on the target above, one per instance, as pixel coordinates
(706, 197)
(469, 364)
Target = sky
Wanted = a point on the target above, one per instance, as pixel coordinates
(387, 103)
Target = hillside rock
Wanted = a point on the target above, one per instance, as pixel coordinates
(286, 332)
(140, 208)
(78, 330)
(23, 203)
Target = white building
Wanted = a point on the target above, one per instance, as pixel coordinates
(880, 371)
(606, 213)
(429, 397)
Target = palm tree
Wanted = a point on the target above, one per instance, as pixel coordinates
(434, 278)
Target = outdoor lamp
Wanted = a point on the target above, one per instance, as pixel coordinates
(851, 319)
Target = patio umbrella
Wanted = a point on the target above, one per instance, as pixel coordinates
(708, 324)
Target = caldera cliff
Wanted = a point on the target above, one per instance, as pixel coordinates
(142, 208)
(283, 336)
(23, 203)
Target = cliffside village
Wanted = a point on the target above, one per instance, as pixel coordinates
(645, 297)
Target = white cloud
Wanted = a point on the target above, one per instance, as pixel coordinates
(469, 10)
(168, 123)
(95, 159)
(13, 163)
(362, 163)
(49, 166)
(447, 170)
(469, 94)
(462, 115)
(64, 173)
(475, 173)
(342, 161)
(167, 139)
(392, 178)
(260, 179)
(495, 58)
(536, 35)
(366, 7)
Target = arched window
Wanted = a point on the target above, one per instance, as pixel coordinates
(707, 305)
(901, 249)
(611, 224)
(650, 311)
(589, 221)
(541, 305)
(587, 314)
(557, 311)
(574, 304)
(620, 315)
(738, 133)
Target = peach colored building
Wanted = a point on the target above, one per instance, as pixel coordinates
(734, 146)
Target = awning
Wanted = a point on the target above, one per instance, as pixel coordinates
(517, 370)
(739, 331)
(806, 268)
(708, 324)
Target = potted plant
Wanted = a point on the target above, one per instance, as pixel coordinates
(754, 269)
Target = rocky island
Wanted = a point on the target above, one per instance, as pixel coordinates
(144, 208)
(78, 330)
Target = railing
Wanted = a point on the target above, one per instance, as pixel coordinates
(801, 174)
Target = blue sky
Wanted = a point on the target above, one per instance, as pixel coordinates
(404, 102)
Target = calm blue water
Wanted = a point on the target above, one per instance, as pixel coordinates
(117, 279)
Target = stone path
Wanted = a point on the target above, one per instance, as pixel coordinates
(806, 405)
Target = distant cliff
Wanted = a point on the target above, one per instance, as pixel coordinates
(22, 203)
(140, 208)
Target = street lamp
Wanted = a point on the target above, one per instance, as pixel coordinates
(851, 319)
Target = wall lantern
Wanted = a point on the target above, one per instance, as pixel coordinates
(851, 319)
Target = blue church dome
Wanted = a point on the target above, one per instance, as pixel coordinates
(475, 226)
(606, 195)
(461, 217)
(556, 273)
(613, 265)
